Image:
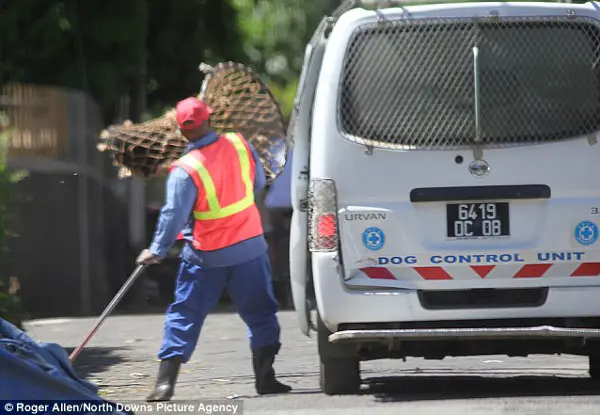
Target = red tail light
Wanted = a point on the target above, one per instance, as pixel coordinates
(326, 231)
(323, 215)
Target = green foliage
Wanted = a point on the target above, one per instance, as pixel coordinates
(105, 47)
(10, 304)
(91, 46)
(112, 48)
(275, 34)
(285, 95)
(181, 35)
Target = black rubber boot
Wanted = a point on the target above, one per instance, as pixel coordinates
(165, 382)
(264, 374)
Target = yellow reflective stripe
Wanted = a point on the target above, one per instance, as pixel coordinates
(229, 210)
(216, 211)
(209, 185)
(244, 157)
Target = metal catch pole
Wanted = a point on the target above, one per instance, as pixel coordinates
(117, 298)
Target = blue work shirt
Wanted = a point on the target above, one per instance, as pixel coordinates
(280, 195)
(176, 216)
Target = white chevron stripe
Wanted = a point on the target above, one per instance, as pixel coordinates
(462, 273)
(560, 270)
(503, 271)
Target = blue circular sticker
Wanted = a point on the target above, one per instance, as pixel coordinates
(586, 232)
(373, 239)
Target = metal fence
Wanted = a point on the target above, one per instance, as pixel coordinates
(71, 254)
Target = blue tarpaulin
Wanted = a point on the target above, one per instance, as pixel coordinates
(31, 370)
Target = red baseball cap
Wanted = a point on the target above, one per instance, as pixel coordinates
(192, 113)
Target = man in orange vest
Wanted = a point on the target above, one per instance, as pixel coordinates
(210, 196)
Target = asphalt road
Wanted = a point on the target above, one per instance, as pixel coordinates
(121, 360)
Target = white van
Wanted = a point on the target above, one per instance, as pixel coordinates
(446, 184)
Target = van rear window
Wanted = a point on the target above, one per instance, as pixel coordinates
(450, 83)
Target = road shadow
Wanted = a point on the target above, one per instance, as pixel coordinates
(96, 360)
(445, 387)
(425, 388)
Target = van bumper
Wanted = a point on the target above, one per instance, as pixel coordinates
(547, 332)
(338, 305)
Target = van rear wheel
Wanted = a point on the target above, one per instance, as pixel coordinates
(339, 372)
(340, 376)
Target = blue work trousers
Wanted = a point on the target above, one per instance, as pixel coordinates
(198, 291)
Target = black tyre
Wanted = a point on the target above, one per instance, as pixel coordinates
(340, 367)
(340, 376)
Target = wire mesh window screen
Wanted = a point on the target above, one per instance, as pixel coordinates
(412, 84)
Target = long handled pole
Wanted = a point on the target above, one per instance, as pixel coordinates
(117, 298)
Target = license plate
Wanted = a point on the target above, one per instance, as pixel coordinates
(477, 220)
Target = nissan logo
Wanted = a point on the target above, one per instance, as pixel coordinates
(479, 168)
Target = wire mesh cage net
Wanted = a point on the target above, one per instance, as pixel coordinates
(322, 215)
(240, 101)
(451, 83)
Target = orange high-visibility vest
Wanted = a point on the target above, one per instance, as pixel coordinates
(224, 213)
